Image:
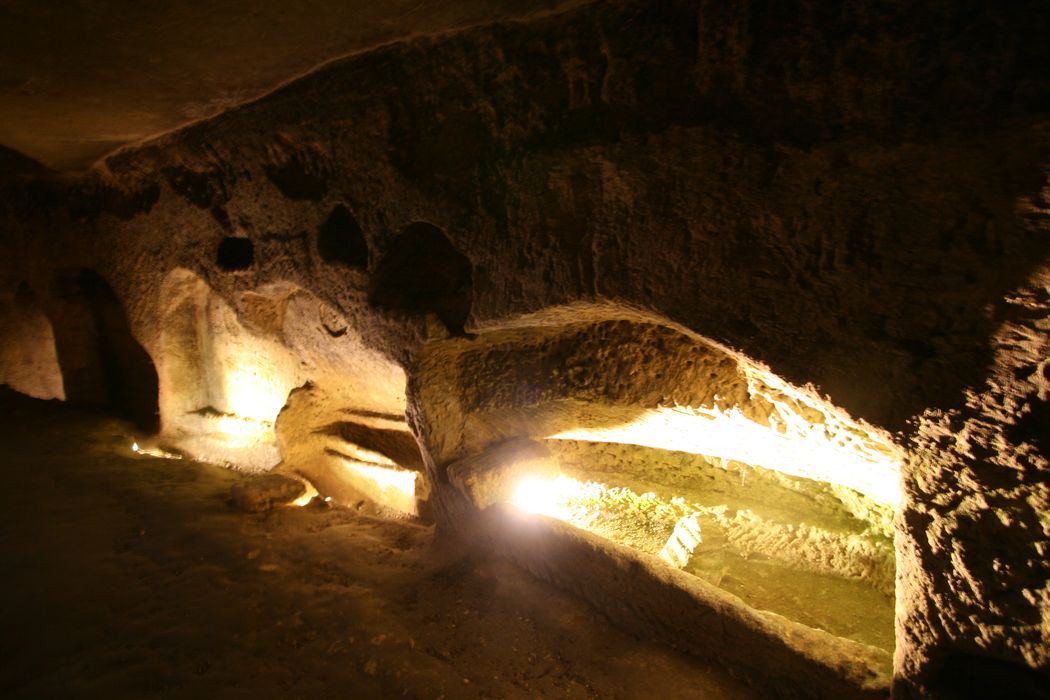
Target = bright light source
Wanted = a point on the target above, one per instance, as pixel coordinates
(254, 388)
(531, 495)
(799, 449)
(153, 451)
(550, 497)
(617, 513)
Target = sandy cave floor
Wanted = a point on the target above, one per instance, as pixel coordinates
(131, 576)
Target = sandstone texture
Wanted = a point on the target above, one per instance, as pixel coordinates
(266, 492)
(811, 221)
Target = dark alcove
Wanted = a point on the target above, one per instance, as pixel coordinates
(423, 272)
(102, 363)
(25, 299)
(235, 253)
(340, 239)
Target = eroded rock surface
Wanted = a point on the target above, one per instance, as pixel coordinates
(853, 199)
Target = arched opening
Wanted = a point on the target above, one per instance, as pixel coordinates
(340, 239)
(28, 361)
(102, 362)
(423, 272)
(235, 253)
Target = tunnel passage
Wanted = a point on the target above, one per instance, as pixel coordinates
(340, 239)
(102, 363)
(423, 272)
(662, 441)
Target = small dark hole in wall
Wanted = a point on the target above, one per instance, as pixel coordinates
(340, 239)
(25, 299)
(423, 272)
(1033, 427)
(235, 253)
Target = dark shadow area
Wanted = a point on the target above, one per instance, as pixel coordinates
(968, 677)
(397, 445)
(169, 584)
(102, 363)
(395, 417)
(340, 239)
(235, 253)
(300, 175)
(1033, 427)
(423, 272)
(25, 298)
(15, 164)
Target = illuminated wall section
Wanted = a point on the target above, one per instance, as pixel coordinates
(678, 448)
(262, 384)
(221, 385)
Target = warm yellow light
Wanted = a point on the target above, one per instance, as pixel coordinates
(387, 486)
(253, 389)
(595, 507)
(400, 479)
(550, 497)
(360, 454)
(241, 431)
(308, 495)
(683, 542)
(797, 448)
(153, 451)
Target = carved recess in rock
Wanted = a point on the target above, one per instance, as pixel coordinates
(423, 272)
(661, 436)
(205, 186)
(102, 362)
(235, 253)
(865, 214)
(300, 173)
(28, 360)
(340, 240)
(355, 455)
(229, 371)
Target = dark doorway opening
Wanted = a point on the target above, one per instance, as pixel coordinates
(340, 239)
(102, 363)
(423, 272)
(235, 253)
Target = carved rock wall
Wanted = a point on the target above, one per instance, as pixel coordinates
(855, 196)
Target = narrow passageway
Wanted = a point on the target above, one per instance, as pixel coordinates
(128, 576)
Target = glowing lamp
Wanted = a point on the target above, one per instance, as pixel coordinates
(550, 497)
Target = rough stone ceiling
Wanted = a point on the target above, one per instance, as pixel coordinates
(79, 79)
